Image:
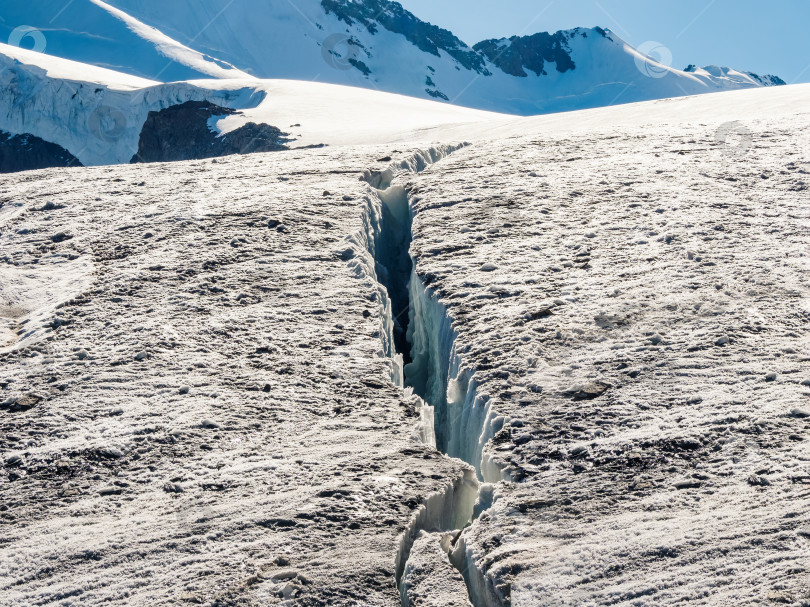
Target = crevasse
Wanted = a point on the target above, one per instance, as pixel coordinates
(464, 423)
(464, 420)
(419, 340)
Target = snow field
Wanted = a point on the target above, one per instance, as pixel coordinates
(192, 429)
(214, 419)
(634, 300)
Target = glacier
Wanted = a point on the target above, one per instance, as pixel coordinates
(98, 115)
(599, 397)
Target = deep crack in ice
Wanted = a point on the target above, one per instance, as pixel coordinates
(419, 339)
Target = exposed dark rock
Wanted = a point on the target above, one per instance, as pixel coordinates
(181, 132)
(437, 94)
(27, 152)
(758, 481)
(542, 312)
(589, 391)
(688, 484)
(529, 52)
(360, 66)
(24, 403)
(767, 79)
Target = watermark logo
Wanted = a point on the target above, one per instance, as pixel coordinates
(803, 147)
(107, 123)
(339, 51)
(196, 516)
(745, 457)
(18, 34)
(655, 59)
(734, 139)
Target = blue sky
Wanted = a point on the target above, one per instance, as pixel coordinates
(766, 37)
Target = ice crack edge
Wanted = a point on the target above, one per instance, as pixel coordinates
(418, 339)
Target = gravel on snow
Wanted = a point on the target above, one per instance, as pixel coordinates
(194, 409)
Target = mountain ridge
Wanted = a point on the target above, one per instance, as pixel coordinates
(371, 44)
(426, 76)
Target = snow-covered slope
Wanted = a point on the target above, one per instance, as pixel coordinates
(99, 34)
(369, 43)
(608, 312)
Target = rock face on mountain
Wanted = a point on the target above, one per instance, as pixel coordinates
(768, 79)
(182, 132)
(532, 52)
(27, 152)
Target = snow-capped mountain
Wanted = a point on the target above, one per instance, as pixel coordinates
(99, 72)
(369, 43)
(99, 34)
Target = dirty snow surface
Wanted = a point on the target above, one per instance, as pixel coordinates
(546, 366)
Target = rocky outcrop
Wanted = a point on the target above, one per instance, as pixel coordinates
(767, 79)
(27, 152)
(181, 132)
(518, 54)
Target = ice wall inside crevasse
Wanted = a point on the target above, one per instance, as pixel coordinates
(418, 337)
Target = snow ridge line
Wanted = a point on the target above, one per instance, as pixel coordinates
(466, 498)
